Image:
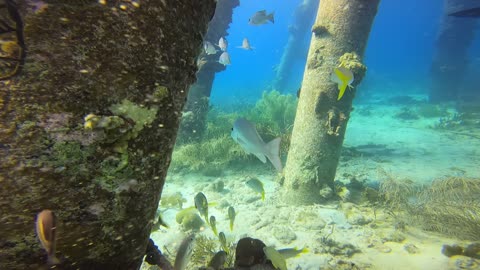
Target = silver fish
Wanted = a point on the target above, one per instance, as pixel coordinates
(246, 45)
(184, 252)
(245, 134)
(224, 59)
(222, 44)
(261, 17)
(209, 48)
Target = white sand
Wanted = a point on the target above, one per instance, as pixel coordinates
(417, 152)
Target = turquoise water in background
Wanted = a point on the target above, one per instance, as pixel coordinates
(399, 52)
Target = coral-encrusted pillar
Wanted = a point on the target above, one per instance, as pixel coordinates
(340, 36)
(193, 124)
(88, 125)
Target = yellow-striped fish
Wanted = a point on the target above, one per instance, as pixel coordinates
(46, 225)
(276, 258)
(343, 77)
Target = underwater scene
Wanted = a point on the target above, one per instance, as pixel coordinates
(240, 134)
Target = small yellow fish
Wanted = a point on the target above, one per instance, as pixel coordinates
(45, 226)
(213, 224)
(223, 241)
(257, 186)
(231, 216)
(343, 77)
(276, 258)
(288, 253)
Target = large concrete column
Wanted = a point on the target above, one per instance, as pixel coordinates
(450, 62)
(295, 49)
(194, 119)
(340, 36)
(88, 126)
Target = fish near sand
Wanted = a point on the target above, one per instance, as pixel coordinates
(201, 204)
(46, 226)
(343, 77)
(231, 216)
(257, 186)
(245, 134)
(276, 258)
(224, 59)
(213, 224)
(184, 253)
(261, 17)
(288, 253)
(223, 241)
(218, 261)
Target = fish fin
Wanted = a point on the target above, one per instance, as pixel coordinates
(261, 157)
(53, 260)
(263, 11)
(271, 18)
(341, 88)
(273, 149)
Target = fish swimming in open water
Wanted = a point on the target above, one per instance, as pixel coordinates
(213, 224)
(184, 252)
(244, 133)
(261, 17)
(343, 77)
(246, 45)
(46, 226)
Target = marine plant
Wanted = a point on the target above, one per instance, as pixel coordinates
(450, 206)
(205, 248)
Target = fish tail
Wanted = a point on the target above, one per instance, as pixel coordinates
(263, 195)
(271, 18)
(231, 226)
(273, 148)
(342, 88)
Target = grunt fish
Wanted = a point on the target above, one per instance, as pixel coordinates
(218, 261)
(244, 133)
(223, 241)
(46, 225)
(231, 216)
(184, 253)
(288, 253)
(201, 204)
(213, 224)
(257, 186)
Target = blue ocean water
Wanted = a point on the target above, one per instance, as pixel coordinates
(399, 54)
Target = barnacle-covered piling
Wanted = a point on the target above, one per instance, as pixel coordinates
(340, 35)
(88, 125)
